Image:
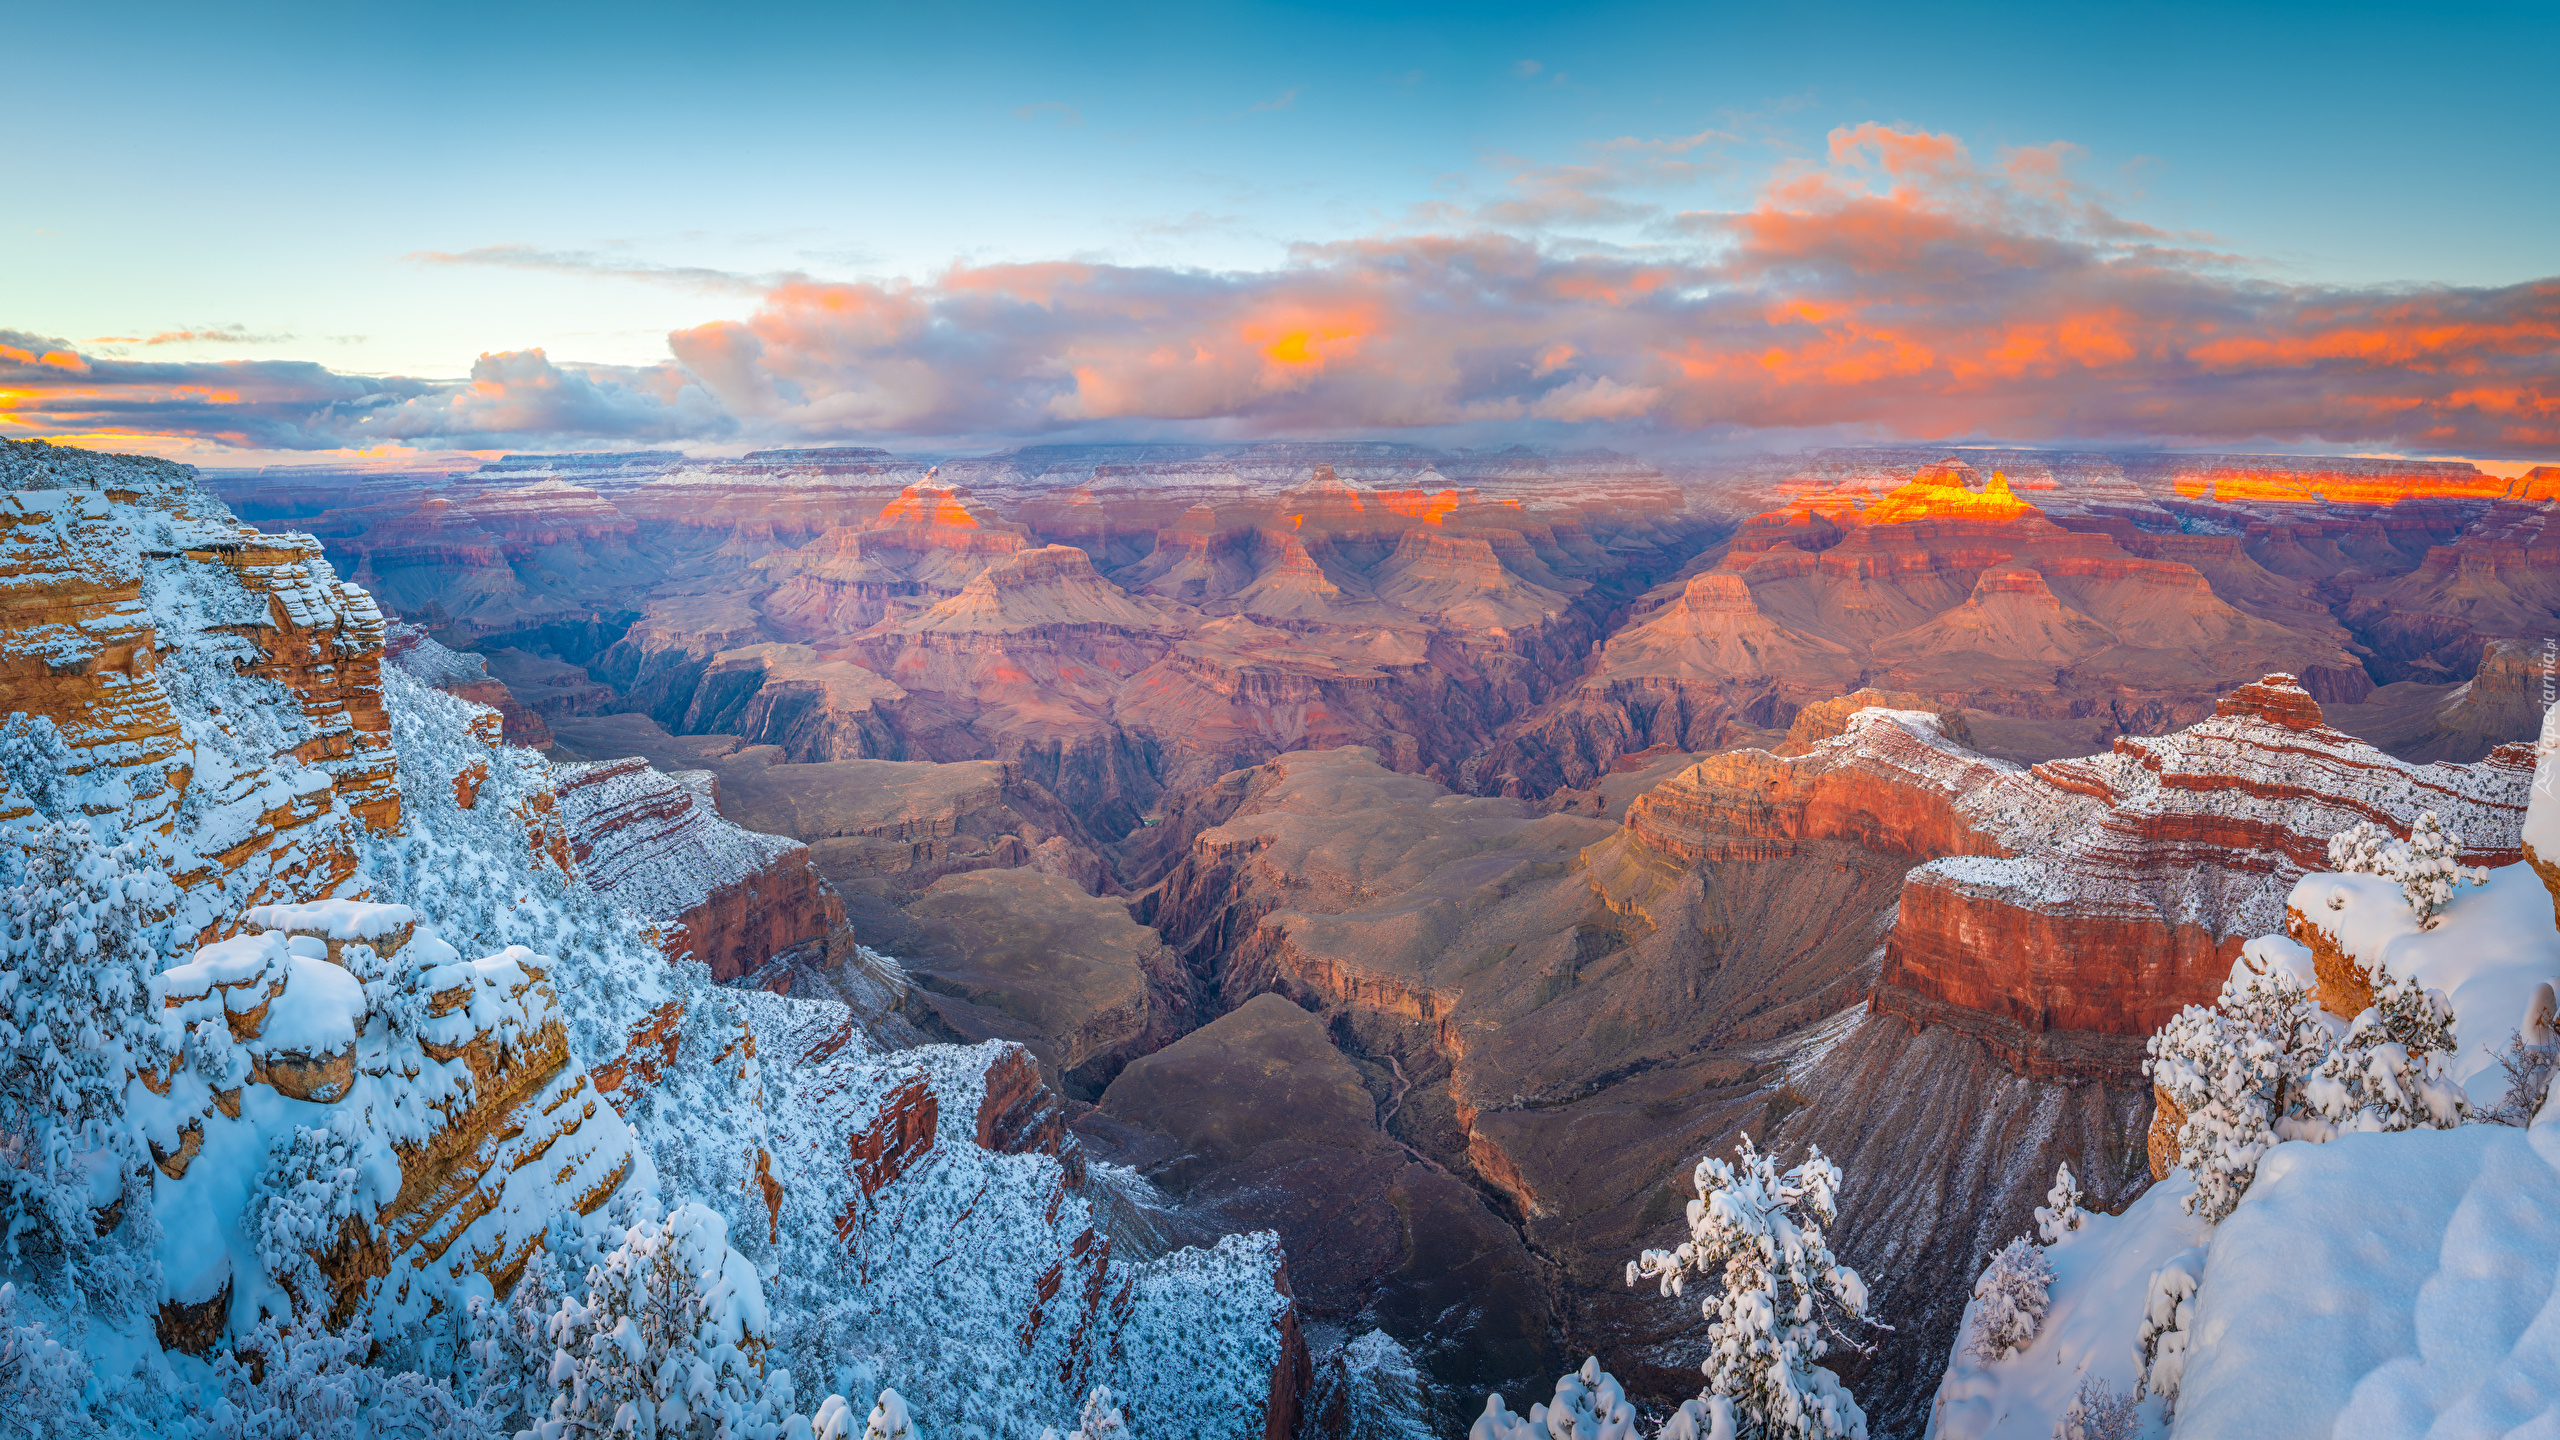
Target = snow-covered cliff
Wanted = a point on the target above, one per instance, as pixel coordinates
(332, 1084)
(2386, 1270)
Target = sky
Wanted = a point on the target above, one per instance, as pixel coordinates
(299, 232)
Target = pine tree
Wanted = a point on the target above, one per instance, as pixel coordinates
(2425, 866)
(2168, 1311)
(41, 1379)
(2233, 1070)
(1589, 1404)
(1784, 1300)
(2060, 1214)
(307, 1199)
(2009, 1302)
(2099, 1411)
(664, 1343)
(2389, 1074)
(510, 1344)
(35, 763)
(298, 1380)
(76, 1025)
(890, 1420)
(2530, 1057)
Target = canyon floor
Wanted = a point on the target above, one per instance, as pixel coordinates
(1429, 856)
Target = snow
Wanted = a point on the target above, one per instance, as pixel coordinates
(2112, 834)
(2102, 1273)
(320, 1011)
(2385, 1285)
(654, 844)
(2494, 944)
(935, 1279)
(336, 919)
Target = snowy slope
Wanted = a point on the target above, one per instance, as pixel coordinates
(2376, 1285)
(2385, 1285)
(2101, 1274)
(406, 1053)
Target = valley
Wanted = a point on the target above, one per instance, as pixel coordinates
(1427, 856)
(1291, 847)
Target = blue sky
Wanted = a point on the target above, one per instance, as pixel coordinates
(278, 179)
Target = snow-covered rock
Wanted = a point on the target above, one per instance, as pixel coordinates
(2381, 1284)
(401, 1049)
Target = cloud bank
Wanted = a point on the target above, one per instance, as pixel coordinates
(1898, 286)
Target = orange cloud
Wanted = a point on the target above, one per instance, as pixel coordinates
(1900, 287)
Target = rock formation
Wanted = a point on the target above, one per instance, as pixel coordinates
(425, 1037)
(255, 767)
(730, 898)
(465, 676)
(2053, 638)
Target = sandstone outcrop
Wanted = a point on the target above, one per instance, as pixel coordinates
(508, 1127)
(2089, 898)
(94, 551)
(351, 1120)
(881, 832)
(728, 897)
(466, 676)
(1579, 1005)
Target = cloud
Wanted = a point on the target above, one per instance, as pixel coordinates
(1895, 285)
(590, 263)
(1590, 191)
(1057, 112)
(1282, 101)
(208, 335)
(1527, 69)
(1898, 285)
(512, 398)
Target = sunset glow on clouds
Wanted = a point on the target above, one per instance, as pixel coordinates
(1896, 285)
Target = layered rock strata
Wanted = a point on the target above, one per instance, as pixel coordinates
(1972, 596)
(220, 686)
(2080, 898)
(505, 1128)
(728, 897)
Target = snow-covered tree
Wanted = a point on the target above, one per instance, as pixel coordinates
(509, 1345)
(299, 1380)
(309, 1198)
(2060, 1214)
(2389, 1073)
(41, 1379)
(2424, 866)
(1589, 1404)
(1099, 1420)
(834, 1420)
(2009, 1301)
(2168, 1311)
(665, 1342)
(35, 763)
(2099, 1411)
(1782, 1300)
(1710, 1418)
(890, 1420)
(76, 1024)
(2529, 1059)
(2233, 1069)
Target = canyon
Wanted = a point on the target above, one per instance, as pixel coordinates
(1415, 858)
